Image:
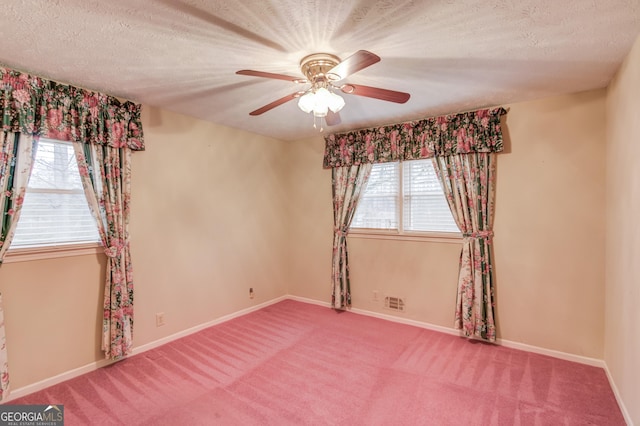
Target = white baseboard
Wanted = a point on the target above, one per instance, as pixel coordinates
(447, 330)
(43, 384)
(309, 301)
(386, 317)
(407, 321)
(595, 362)
(184, 333)
(616, 392)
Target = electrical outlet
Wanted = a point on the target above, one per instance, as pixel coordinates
(251, 293)
(375, 295)
(159, 319)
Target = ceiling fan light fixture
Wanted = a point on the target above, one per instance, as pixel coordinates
(322, 72)
(307, 102)
(336, 102)
(320, 110)
(320, 102)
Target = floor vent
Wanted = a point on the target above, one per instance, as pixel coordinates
(394, 303)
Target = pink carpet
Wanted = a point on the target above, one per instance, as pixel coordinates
(294, 364)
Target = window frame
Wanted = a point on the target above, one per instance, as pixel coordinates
(401, 234)
(55, 250)
(25, 254)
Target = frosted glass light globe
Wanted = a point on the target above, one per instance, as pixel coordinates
(307, 102)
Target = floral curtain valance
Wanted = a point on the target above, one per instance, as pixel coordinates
(477, 131)
(41, 107)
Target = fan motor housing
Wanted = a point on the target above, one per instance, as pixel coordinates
(316, 66)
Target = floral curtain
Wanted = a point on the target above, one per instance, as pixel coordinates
(105, 130)
(347, 183)
(106, 178)
(35, 106)
(477, 131)
(463, 148)
(16, 159)
(468, 181)
(4, 366)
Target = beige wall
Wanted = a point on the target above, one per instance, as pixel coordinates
(206, 225)
(622, 343)
(549, 225)
(217, 211)
(207, 222)
(549, 244)
(52, 315)
(420, 272)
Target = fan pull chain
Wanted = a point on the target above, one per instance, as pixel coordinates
(315, 126)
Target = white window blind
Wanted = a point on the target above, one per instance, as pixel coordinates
(55, 210)
(378, 205)
(409, 190)
(425, 207)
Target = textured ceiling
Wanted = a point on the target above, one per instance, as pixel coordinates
(451, 55)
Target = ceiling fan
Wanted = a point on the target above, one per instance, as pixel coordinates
(324, 72)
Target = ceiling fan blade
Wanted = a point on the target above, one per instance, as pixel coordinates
(354, 63)
(271, 75)
(275, 104)
(333, 118)
(375, 92)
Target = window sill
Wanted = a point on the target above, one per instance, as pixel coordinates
(51, 252)
(434, 237)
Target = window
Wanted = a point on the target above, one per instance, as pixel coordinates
(406, 198)
(55, 210)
